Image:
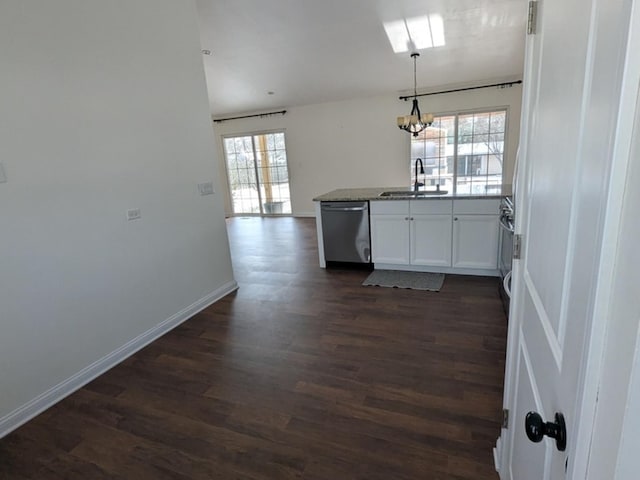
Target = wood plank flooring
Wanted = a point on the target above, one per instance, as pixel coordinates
(300, 374)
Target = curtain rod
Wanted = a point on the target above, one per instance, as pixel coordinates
(261, 115)
(500, 85)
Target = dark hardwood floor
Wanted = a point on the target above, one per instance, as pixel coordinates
(302, 373)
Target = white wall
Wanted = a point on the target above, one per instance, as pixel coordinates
(103, 109)
(356, 143)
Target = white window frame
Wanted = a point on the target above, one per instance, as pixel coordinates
(457, 113)
(226, 170)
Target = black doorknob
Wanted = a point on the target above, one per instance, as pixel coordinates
(537, 428)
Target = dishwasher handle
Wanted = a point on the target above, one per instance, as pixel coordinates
(329, 208)
(344, 209)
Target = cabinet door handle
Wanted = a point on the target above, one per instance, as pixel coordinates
(406, 218)
(411, 218)
(455, 219)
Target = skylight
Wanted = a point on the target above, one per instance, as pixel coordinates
(415, 33)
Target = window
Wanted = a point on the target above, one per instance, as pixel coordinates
(462, 152)
(257, 173)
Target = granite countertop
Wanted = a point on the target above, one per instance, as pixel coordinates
(362, 194)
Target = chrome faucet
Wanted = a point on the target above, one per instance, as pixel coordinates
(417, 183)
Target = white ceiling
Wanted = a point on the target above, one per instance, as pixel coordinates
(314, 51)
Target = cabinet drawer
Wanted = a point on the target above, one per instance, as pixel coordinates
(430, 206)
(490, 206)
(389, 207)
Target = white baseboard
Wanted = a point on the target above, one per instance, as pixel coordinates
(254, 215)
(497, 454)
(484, 272)
(65, 388)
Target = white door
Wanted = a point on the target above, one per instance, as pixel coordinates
(390, 239)
(475, 241)
(431, 240)
(571, 98)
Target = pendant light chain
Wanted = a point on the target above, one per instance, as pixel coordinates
(415, 77)
(415, 122)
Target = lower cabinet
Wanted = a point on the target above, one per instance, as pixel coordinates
(411, 232)
(430, 240)
(475, 241)
(475, 234)
(447, 234)
(390, 238)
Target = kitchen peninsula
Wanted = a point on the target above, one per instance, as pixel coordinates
(421, 231)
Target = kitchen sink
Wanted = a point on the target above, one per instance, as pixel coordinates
(399, 193)
(412, 193)
(423, 193)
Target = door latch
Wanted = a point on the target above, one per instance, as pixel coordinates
(505, 418)
(517, 246)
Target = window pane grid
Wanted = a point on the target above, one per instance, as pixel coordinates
(433, 146)
(258, 174)
(462, 153)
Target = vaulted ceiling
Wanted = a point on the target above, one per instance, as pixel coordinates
(314, 51)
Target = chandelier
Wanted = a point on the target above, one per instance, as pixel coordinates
(415, 122)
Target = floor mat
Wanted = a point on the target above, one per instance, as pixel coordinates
(400, 279)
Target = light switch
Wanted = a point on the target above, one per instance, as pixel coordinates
(133, 214)
(3, 177)
(205, 188)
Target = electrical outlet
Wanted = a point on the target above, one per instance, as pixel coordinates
(133, 214)
(205, 188)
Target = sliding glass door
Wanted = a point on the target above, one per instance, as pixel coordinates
(257, 173)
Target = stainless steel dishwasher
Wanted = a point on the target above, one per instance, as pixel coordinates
(345, 231)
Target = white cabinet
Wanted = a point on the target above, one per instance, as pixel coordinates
(414, 232)
(389, 222)
(430, 232)
(430, 240)
(390, 239)
(475, 234)
(436, 234)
